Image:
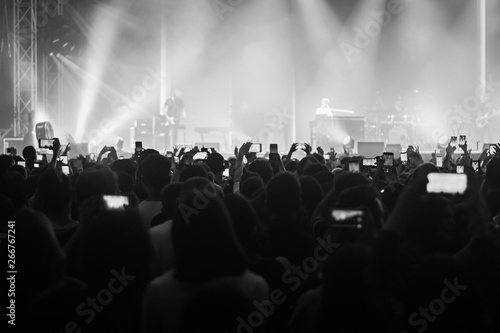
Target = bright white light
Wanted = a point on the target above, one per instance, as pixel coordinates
(102, 36)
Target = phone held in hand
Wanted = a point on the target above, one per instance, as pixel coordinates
(453, 141)
(460, 169)
(354, 166)
(404, 157)
(65, 169)
(45, 143)
(475, 165)
(202, 155)
(448, 183)
(347, 218)
(273, 148)
(369, 162)
(439, 161)
(255, 148)
(388, 159)
(461, 140)
(115, 202)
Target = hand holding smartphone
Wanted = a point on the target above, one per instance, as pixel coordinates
(255, 148)
(448, 183)
(453, 141)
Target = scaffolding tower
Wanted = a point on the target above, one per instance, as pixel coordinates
(25, 62)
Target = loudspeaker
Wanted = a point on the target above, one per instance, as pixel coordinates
(44, 131)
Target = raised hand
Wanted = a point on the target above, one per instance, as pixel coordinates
(464, 148)
(244, 149)
(450, 150)
(320, 151)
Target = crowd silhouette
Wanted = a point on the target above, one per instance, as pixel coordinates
(252, 243)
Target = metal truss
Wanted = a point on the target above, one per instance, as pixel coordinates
(25, 62)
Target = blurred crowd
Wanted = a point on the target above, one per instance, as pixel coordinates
(192, 241)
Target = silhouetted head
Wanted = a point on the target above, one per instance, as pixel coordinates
(263, 168)
(204, 240)
(156, 171)
(192, 171)
(283, 195)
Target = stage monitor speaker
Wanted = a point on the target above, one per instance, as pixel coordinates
(17, 143)
(370, 149)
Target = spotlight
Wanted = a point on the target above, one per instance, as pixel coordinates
(51, 54)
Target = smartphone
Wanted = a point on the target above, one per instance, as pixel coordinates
(352, 218)
(301, 146)
(453, 141)
(138, 146)
(39, 157)
(170, 154)
(460, 169)
(273, 148)
(354, 166)
(65, 169)
(404, 157)
(492, 149)
(44, 143)
(200, 155)
(388, 159)
(64, 159)
(36, 165)
(369, 162)
(256, 148)
(449, 183)
(462, 139)
(115, 202)
(22, 163)
(439, 161)
(475, 165)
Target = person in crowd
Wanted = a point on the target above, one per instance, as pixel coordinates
(207, 254)
(155, 176)
(278, 235)
(55, 199)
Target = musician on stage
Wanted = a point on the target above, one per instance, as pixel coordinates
(173, 110)
(324, 109)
